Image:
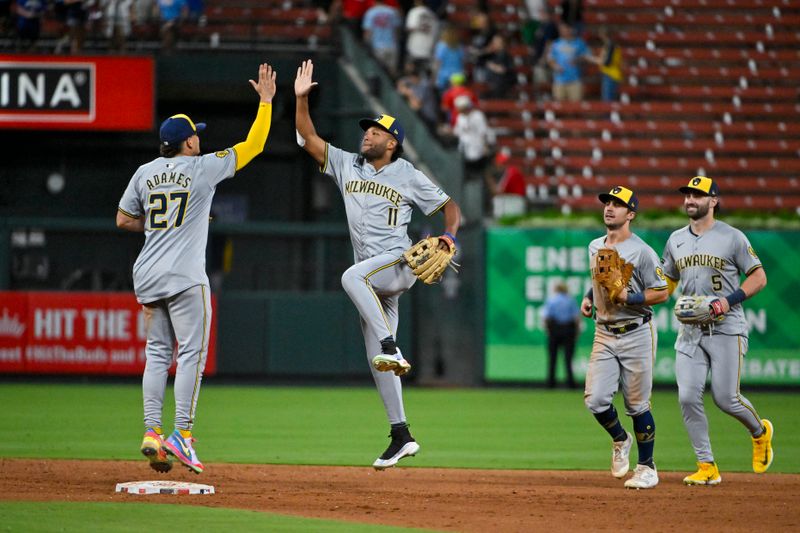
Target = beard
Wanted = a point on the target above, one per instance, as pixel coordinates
(700, 211)
(614, 225)
(373, 153)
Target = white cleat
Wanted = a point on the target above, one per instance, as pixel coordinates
(620, 456)
(644, 477)
(409, 449)
(391, 363)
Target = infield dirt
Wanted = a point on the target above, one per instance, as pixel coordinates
(436, 498)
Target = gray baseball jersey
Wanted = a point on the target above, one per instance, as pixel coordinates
(647, 274)
(379, 204)
(629, 355)
(712, 264)
(174, 195)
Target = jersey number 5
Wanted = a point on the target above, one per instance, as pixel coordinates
(159, 205)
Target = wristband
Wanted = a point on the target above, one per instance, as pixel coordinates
(636, 298)
(736, 297)
(455, 241)
(589, 294)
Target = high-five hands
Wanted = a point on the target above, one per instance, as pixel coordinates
(265, 87)
(303, 83)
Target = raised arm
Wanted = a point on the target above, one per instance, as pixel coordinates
(257, 137)
(309, 140)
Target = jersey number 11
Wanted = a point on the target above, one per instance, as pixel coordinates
(392, 219)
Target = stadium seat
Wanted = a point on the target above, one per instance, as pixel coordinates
(711, 86)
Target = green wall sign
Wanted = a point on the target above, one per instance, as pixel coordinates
(523, 265)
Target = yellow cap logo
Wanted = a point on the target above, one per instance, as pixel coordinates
(701, 183)
(386, 121)
(622, 193)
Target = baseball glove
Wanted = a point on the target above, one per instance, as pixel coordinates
(428, 260)
(613, 272)
(698, 310)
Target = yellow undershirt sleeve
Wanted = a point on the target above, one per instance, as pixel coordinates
(256, 138)
(671, 284)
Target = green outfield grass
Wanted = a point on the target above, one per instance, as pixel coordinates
(471, 428)
(476, 428)
(137, 517)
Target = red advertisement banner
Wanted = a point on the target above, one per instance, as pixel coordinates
(77, 93)
(77, 333)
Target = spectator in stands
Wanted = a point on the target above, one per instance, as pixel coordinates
(145, 16)
(117, 15)
(196, 12)
(29, 17)
(448, 58)
(72, 15)
(475, 138)
(565, 56)
(505, 177)
(380, 26)
(170, 14)
(611, 65)
(500, 72)
(448, 103)
(572, 14)
(145, 10)
(483, 31)
(545, 32)
(422, 27)
(439, 7)
(353, 13)
(328, 10)
(417, 88)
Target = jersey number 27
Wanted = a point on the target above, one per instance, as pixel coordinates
(159, 204)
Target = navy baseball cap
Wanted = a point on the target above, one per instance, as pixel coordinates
(701, 184)
(621, 194)
(387, 123)
(177, 129)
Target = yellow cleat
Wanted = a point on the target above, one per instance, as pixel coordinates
(707, 474)
(154, 451)
(762, 449)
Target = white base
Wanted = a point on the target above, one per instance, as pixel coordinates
(164, 487)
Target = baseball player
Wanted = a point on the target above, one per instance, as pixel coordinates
(169, 199)
(379, 191)
(625, 340)
(709, 257)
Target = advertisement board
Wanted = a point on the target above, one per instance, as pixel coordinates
(77, 333)
(523, 266)
(77, 93)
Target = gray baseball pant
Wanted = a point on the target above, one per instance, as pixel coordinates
(184, 318)
(374, 286)
(621, 361)
(723, 356)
